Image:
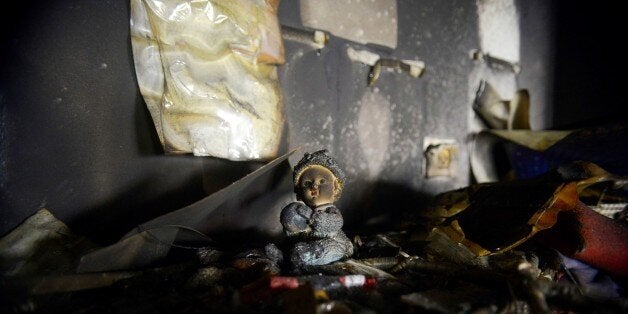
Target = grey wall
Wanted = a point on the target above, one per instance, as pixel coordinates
(76, 138)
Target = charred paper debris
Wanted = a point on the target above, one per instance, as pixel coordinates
(414, 68)
(423, 284)
(317, 39)
(441, 157)
(499, 113)
(521, 245)
(495, 62)
(422, 265)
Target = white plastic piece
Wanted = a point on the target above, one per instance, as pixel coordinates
(416, 67)
(353, 280)
(207, 71)
(320, 38)
(363, 56)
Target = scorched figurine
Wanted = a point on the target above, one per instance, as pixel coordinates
(313, 223)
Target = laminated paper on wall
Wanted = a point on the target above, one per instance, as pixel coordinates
(360, 21)
(208, 73)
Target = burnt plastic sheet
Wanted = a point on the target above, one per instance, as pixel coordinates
(151, 241)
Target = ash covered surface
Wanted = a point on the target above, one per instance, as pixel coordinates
(391, 272)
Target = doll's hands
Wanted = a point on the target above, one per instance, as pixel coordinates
(294, 218)
(326, 222)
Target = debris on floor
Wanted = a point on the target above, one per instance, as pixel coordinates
(458, 256)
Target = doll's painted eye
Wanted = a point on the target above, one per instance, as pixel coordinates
(307, 183)
(322, 181)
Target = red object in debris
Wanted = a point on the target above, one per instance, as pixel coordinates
(604, 241)
(357, 281)
(370, 283)
(283, 283)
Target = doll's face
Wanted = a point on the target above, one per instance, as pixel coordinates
(318, 186)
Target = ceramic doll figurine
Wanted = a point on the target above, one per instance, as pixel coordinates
(314, 223)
